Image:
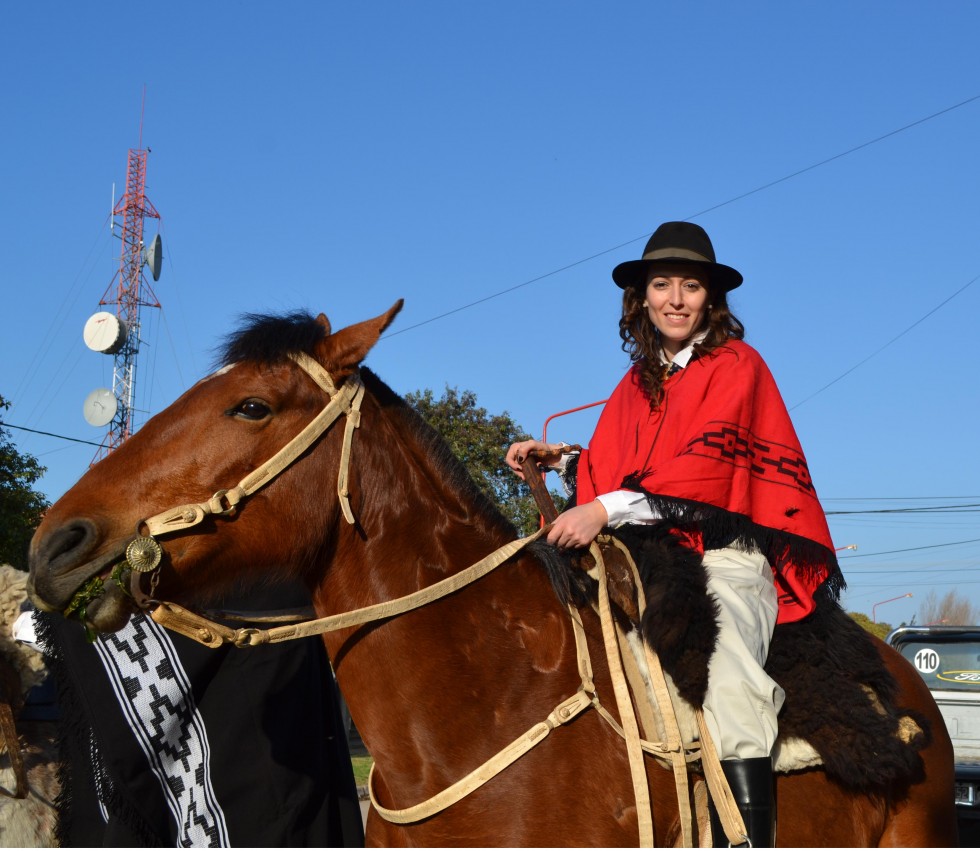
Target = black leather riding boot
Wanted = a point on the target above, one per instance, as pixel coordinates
(752, 786)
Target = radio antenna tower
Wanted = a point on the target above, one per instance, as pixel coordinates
(118, 333)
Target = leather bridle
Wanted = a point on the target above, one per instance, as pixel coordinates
(144, 553)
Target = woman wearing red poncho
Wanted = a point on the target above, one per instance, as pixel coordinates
(696, 434)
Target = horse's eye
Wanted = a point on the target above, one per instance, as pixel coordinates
(252, 409)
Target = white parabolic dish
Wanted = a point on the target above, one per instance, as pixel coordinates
(105, 332)
(100, 407)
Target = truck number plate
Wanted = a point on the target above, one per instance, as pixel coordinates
(965, 794)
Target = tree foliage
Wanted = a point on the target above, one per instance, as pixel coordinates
(879, 629)
(951, 609)
(480, 440)
(21, 507)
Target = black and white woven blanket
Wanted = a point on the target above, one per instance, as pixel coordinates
(168, 743)
(156, 697)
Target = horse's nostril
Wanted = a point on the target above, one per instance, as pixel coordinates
(70, 541)
(62, 559)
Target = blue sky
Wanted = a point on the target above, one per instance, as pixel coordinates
(493, 162)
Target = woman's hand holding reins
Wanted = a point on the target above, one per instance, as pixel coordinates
(578, 526)
(544, 452)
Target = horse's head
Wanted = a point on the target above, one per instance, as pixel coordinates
(195, 468)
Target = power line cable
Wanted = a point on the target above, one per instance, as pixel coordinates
(870, 572)
(877, 351)
(714, 207)
(889, 498)
(861, 591)
(48, 434)
(912, 549)
(515, 287)
(954, 509)
(839, 156)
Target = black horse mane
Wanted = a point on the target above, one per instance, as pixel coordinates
(270, 339)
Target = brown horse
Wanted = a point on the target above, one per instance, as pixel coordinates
(438, 690)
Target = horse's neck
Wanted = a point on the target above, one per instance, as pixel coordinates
(413, 508)
(413, 530)
(452, 659)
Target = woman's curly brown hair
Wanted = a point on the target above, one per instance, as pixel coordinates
(641, 340)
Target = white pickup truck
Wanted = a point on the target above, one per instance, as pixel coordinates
(948, 658)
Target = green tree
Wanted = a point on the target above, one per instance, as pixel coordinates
(878, 629)
(21, 507)
(480, 440)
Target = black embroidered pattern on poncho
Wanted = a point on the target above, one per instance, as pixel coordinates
(771, 461)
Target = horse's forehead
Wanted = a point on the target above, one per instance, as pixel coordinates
(225, 369)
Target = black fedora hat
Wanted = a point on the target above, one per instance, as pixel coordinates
(676, 242)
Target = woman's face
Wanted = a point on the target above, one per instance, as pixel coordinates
(677, 304)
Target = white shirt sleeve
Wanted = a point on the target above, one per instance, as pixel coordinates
(621, 506)
(627, 507)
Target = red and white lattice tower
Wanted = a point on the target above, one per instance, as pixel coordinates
(128, 292)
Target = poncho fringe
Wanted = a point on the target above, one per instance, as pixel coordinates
(810, 558)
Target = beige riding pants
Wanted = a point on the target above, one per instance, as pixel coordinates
(742, 701)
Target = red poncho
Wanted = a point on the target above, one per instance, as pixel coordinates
(719, 457)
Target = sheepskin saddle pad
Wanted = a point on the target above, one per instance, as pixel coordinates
(840, 697)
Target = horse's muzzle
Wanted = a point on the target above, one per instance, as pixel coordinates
(61, 561)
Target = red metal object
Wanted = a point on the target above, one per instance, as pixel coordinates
(134, 207)
(544, 430)
(544, 438)
(132, 292)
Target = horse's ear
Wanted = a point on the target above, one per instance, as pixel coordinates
(322, 320)
(341, 353)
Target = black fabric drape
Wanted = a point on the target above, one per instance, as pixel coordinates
(280, 766)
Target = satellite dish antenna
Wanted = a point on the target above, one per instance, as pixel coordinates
(105, 332)
(100, 407)
(153, 257)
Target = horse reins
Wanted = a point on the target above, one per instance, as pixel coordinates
(144, 555)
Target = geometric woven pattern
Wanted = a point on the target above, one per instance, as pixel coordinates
(770, 461)
(155, 695)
